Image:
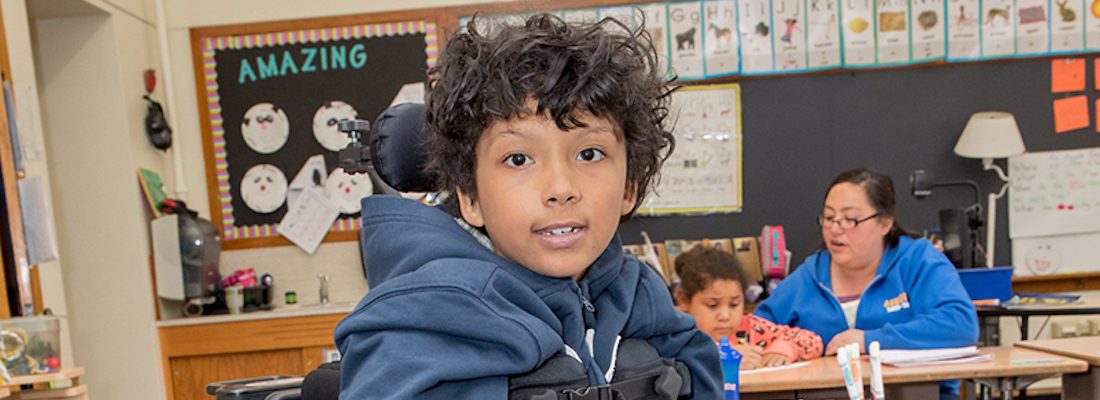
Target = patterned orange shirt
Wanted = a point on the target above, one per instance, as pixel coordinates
(796, 343)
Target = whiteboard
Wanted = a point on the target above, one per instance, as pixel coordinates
(1054, 193)
(703, 173)
(1047, 255)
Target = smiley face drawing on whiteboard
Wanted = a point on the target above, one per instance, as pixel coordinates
(346, 191)
(263, 188)
(1043, 259)
(325, 124)
(265, 128)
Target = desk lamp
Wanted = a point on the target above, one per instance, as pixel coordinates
(989, 135)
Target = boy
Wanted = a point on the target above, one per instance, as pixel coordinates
(547, 135)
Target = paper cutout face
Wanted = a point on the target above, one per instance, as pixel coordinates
(265, 128)
(346, 191)
(263, 188)
(325, 124)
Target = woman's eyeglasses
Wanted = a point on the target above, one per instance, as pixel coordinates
(844, 223)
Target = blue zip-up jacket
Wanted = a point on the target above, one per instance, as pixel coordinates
(915, 301)
(447, 318)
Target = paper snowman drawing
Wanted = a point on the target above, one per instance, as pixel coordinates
(263, 188)
(325, 122)
(265, 128)
(346, 191)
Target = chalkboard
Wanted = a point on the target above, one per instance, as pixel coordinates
(272, 102)
(802, 131)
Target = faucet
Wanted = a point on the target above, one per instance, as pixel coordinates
(324, 287)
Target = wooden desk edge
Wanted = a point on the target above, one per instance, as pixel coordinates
(1092, 359)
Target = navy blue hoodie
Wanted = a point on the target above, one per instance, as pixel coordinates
(448, 318)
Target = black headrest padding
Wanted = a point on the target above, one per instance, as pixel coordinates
(395, 148)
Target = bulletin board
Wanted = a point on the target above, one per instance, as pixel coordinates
(270, 97)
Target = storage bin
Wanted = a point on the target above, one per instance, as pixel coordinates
(32, 345)
(987, 283)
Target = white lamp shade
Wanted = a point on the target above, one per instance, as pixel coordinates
(990, 134)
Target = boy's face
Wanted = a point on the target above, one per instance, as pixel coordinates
(717, 308)
(550, 199)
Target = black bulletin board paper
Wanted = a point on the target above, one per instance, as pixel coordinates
(298, 72)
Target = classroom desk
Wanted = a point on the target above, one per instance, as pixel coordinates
(1074, 386)
(822, 379)
(1087, 305)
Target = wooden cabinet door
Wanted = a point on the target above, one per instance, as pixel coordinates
(190, 375)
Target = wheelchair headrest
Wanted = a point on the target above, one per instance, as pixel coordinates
(395, 149)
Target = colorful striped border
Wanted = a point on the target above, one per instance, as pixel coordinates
(212, 45)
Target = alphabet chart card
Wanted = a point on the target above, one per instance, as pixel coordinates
(656, 24)
(685, 22)
(624, 14)
(755, 23)
(1092, 25)
(582, 16)
(998, 28)
(893, 31)
(789, 40)
(1067, 25)
(1032, 27)
(963, 29)
(823, 33)
(859, 32)
(927, 31)
(722, 53)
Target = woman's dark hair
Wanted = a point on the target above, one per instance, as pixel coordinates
(487, 76)
(703, 265)
(879, 189)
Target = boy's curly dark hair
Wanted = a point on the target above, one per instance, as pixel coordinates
(604, 69)
(703, 265)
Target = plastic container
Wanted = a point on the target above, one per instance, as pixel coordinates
(731, 369)
(987, 283)
(32, 345)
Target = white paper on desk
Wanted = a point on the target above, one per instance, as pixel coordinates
(309, 220)
(770, 369)
(895, 357)
(973, 358)
(312, 176)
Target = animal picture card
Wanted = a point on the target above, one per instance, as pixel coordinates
(1092, 24)
(823, 33)
(1067, 25)
(963, 30)
(755, 25)
(789, 40)
(893, 31)
(721, 40)
(998, 28)
(1032, 27)
(656, 24)
(859, 20)
(927, 30)
(685, 22)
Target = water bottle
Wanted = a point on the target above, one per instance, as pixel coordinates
(731, 366)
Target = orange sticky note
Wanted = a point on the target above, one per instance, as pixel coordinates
(1071, 113)
(1067, 75)
(1098, 113)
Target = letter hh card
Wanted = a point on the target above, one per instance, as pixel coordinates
(998, 28)
(789, 40)
(685, 22)
(1067, 25)
(755, 23)
(927, 30)
(1033, 27)
(893, 31)
(859, 32)
(823, 33)
(963, 29)
(722, 41)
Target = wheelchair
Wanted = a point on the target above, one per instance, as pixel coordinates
(394, 163)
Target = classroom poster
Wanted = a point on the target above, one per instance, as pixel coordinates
(823, 34)
(928, 31)
(1092, 25)
(581, 16)
(1032, 27)
(789, 40)
(685, 21)
(963, 29)
(656, 24)
(623, 14)
(998, 28)
(722, 41)
(893, 31)
(1054, 193)
(703, 175)
(1067, 25)
(858, 17)
(755, 24)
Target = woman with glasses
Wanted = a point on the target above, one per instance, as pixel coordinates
(871, 281)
